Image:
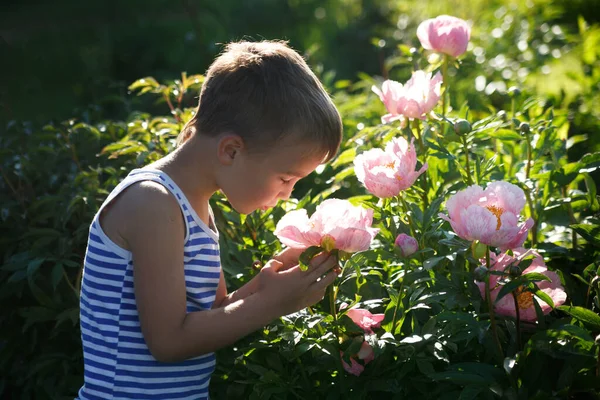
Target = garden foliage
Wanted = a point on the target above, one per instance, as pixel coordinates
(408, 318)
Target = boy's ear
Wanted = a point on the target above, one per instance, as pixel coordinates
(229, 147)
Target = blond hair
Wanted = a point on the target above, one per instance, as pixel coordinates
(264, 92)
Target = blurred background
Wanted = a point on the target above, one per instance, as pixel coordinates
(64, 55)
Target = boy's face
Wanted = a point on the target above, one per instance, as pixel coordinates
(259, 181)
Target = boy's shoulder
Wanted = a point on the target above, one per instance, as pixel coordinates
(143, 206)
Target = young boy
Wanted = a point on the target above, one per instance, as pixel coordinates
(154, 305)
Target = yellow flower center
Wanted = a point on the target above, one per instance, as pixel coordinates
(392, 165)
(497, 211)
(524, 299)
(328, 242)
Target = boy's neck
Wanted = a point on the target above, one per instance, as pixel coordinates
(192, 167)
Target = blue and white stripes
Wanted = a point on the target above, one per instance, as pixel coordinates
(117, 362)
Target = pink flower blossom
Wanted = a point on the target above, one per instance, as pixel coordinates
(408, 245)
(445, 34)
(387, 173)
(336, 224)
(506, 305)
(415, 99)
(364, 319)
(365, 353)
(490, 216)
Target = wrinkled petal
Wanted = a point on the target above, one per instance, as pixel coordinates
(462, 200)
(355, 368)
(352, 240)
(521, 235)
(366, 353)
(445, 34)
(364, 319)
(479, 223)
(506, 196)
(293, 230)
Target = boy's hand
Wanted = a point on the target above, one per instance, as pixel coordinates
(290, 258)
(290, 289)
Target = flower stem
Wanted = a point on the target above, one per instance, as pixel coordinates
(534, 228)
(408, 216)
(488, 299)
(528, 167)
(332, 295)
(518, 314)
(444, 84)
(423, 150)
(468, 167)
(398, 301)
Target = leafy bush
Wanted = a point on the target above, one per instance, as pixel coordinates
(436, 339)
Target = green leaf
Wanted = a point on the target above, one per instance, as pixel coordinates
(307, 255)
(505, 134)
(33, 265)
(432, 262)
(520, 281)
(143, 83)
(57, 273)
(589, 232)
(584, 315)
(591, 193)
(544, 296)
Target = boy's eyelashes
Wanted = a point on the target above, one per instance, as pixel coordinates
(285, 180)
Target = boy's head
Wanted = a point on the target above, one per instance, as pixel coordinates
(265, 93)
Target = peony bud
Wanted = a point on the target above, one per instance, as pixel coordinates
(515, 271)
(408, 245)
(524, 127)
(478, 249)
(480, 273)
(462, 127)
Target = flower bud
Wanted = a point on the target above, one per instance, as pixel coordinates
(462, 127)
(513, 90)
(515, 271)
(478, 249)
(480, 273)
(524, 127)
(408, 245)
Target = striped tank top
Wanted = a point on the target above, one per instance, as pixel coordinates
(117, 362)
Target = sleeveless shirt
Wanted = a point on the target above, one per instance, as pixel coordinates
(117, 361)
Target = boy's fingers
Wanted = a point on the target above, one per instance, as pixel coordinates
(319, 259)
(325, 281)
(288, 256)
(275, 265)
(325, 266)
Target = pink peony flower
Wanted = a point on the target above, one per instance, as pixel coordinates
(365, 353)
(490, 216)
(415, 99)
(364, 319)
(445, 34)
(336, 224)
(408, 245)
(506, 305)
(387, 173)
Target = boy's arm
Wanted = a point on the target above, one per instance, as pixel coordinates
(154, 231)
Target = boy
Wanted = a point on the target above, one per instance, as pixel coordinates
(154, 304)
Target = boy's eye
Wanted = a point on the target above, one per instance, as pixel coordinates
(286, 180)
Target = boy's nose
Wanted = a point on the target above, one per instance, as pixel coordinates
(286, 195)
